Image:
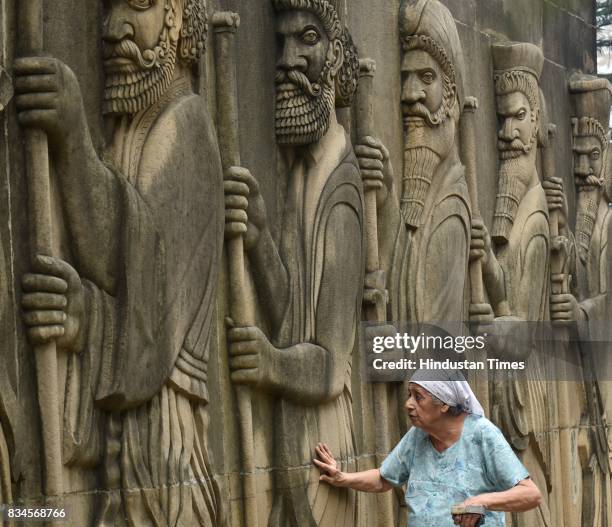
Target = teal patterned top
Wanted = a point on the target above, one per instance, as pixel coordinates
(481, 461)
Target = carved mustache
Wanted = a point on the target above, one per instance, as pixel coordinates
(511, 145)
(588, 180)
(127, 49)
(300, 80)
(416, 110)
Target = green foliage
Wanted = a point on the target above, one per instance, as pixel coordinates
(603, 20)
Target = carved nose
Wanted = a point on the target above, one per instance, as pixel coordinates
(412, 92)
(507, 131)
(582, 166)
(290, 60)
(116, 28)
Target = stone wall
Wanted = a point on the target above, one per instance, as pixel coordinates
(562, 28)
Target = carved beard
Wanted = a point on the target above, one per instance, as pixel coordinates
(588, 203)
(128, 92)
(514, 172)
(303, 109)
(426, 146)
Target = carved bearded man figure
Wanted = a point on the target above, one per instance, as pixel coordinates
(425, 232)
(587, 304)
(517, 274)
(592, 99)
(133, 310)
(311, 284)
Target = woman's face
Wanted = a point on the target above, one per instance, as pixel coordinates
(421, 409)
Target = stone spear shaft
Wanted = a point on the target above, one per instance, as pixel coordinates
(39, 206)
(468, 155)
(376, 311)
(242, 310)
(468, 147)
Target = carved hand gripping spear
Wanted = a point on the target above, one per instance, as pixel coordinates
(225, 26)
(39, 205)
(376, 311)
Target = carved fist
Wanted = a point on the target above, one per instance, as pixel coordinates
(375, 292)
(245, 211)
(53, 304)
(564, 309)
(48, 97)
(375, 166)
(252, 357)
(481, 315)
(480, 242)
(555, 197)
(330, 473)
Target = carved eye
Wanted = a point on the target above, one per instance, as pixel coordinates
(310, 37)
(595, 155)
(428, 77)
(522, 115)
(141, 5)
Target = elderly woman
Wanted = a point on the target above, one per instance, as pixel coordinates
(452, 456)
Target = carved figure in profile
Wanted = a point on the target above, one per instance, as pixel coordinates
(586, 303)
(424, 232)
(516, 272)
(311, 283)
(134, 308)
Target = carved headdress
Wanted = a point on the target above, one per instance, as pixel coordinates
(429, 25)
(592, 98)
(518, 66)
(330, 14)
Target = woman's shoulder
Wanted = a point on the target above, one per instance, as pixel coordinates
(484, 430)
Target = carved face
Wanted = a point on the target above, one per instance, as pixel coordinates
(141, 21)
(588, 160)
(139, 54)
(308, 63)
(302, 43)
(422, 86)
(517, 125)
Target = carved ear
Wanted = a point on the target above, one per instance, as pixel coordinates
(338, 56)
(193, 31)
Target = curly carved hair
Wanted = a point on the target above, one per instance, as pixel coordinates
(324, 9)
(193, 29)
(519, 81)
(348, 76)
(590, 127)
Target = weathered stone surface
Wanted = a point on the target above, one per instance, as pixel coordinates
(136, 232)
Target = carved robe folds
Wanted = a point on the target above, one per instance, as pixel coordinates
(428, 270)
(137, 393)
(322, 252)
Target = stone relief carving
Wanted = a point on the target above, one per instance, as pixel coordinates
(310, 283)
(132, 305)
(587, 258)
(516, 269)
(431, 211)
(129, 299)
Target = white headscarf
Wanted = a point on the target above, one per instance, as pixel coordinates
(450, 387)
